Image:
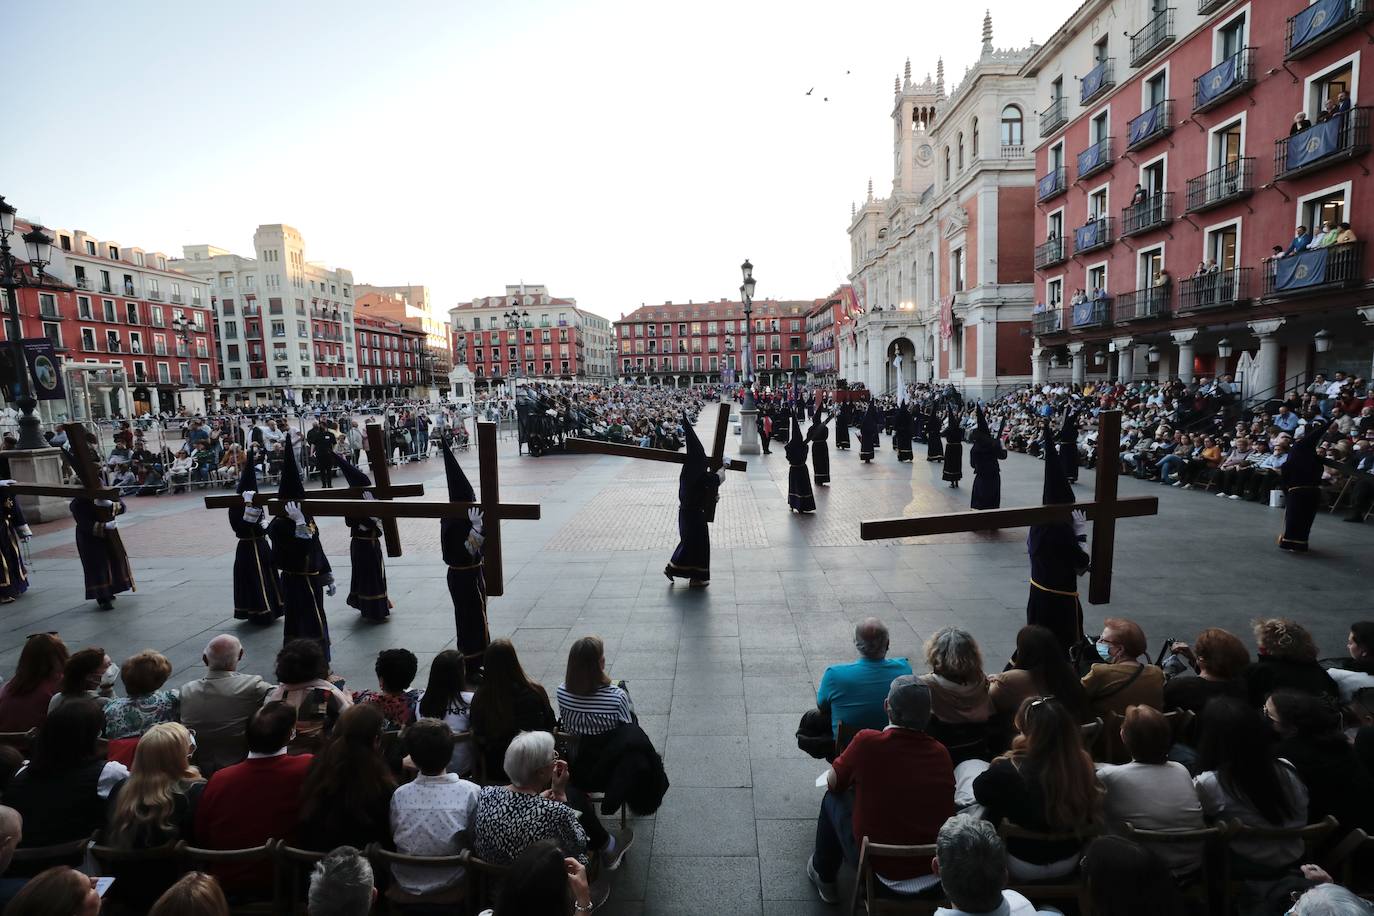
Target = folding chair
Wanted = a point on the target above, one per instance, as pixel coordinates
(1208, 884)
(241, 861)
(876, 897)
(1070, 888)
(398, 900)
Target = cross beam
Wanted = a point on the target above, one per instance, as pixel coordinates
(1104, 510)
(82, 462)
(715, 460)
(381, 475)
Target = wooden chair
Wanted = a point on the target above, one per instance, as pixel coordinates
(121, 864)
(293, 876)
(484, 877)
(1349, 863)
(1312, 836)
(844, 733)
(1068, 889)
(29, 861)
(570, 742)
(1181, 725)
(1208, 884)
(1091, 732)
(211, 860)
(19, 740)
(875, 896)
(398, 900)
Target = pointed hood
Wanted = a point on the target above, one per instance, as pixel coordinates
(696, 453)
(1056, 489)
(982, 421)
(951, 420)
(1069, 431)
(248, 477)
(291, 487)
(795, 434)
(351, 472)
(459, 490)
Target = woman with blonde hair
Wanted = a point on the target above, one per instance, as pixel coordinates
(960, 701)
(196, 894)
(154, 807)
(1287, 659)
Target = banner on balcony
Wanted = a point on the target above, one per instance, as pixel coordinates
(45, 368)
(1301, 271)
(1145, 124)
(1084, 313)
(1092, 83)
(1091, 158)
(861, 294)
(1318, 19)
(1085, 237)
(1048, 184)
(1317, 142)
(1218, 81)
(947, 319)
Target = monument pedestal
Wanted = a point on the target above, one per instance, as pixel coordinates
(39, 466)
(749, 433)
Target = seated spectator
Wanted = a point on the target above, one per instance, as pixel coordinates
(971, 863)
(542, 881)
(395, 670)
(1242, 779)
(195, 894)
(59, 891)
(1357, 673)
(959, 698)
(1330, 900)
(1121, 679)
(341, 884)
(11, 831)
(24, 698)
(854, 693)
(903, 782)
(154, 807)
(249, 803)
(506, 703)
(147, 704)
(179, 472)
(1310, 738)
(533, 807)
(347, 794)
(61, 794)
(588, 703)
(1039, 670)
(89, 675)
(1045, 783)
(217, 707)
(434, 814)
(302, 685)
(447, 698)
(1287, 658)
(1220, 659)
(1151, 792)
(1127, 879)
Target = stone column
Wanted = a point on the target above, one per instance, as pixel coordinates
(1267, 361)
(877, 361)
(1080, 369)
(1140, 360)
(1124, 365)
(1184, 340)
(1040, 365)
(1367, 313)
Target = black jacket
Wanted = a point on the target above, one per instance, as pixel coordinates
(623, 764)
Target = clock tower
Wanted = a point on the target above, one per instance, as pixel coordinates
(914, 111)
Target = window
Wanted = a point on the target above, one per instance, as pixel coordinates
(959, 147)
(1231, 38)
(1057, 156)
(1056, 92)
(1100, 51)
(974, 151)
(131, 312)
(114, 253)
(231, 352)
(1149, 263)
(1097, 204)
(1223, 246)
(1156, 89)
(1152, 178)
(135, 342)
(1055, 224)
(1097, 280)
(957, 269)
(53, 331)
(1227, 145)
(1012, 126)
(1329, 208)
(1054, 293)
(164, 373)
(47, 305)
(1099, 129)
(90, 247)
(1329, 86)
(231, 330)
(109, 309)
(956, 346)
(88, 339)
(946, 163)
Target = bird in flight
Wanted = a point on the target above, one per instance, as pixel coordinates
(811, 90)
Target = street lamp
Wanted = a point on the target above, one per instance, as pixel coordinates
(38, 246)
(746, 292)
(515, 318)
(1224, 349)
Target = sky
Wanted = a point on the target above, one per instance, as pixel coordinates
(616, 152)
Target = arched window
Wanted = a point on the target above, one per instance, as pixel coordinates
(960, 148)
(973, 153)
(1011, 127)
(946, 163)
(930, 276)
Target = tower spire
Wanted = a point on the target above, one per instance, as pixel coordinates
(940, 78)
(987, 31)
(908, 71)
(896, 84)
(870, 190)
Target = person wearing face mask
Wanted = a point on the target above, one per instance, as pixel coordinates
(89, 675)
(1121, 679)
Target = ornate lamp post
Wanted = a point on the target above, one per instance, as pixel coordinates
(749, 433)
(38, 247)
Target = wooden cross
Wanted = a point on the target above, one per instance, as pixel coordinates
(715, 460)
(493, 510)
(1104, 510)
(82, 462)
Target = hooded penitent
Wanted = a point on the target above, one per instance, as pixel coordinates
(982, 433)
(454, 530)
(292, 486)
(1057, 559)
(257, 591)
(800, 496)
(1301, 477)
(1068, 445)
(953, 470)
(466, 579)
(984, 456)
(1056, 487)
(304, 567)
(351, 472)
(248, 477)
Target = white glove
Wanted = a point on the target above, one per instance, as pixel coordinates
(8, 483)
(1080, 525)
(25, 532)
(103, 503)
(330, 588)
(293, 511)
(112, 525)
(475, 517)
(251, 514)
(248, 497)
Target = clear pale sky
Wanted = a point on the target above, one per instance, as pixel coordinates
(617, 152)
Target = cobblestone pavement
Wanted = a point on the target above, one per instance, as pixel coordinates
(719, 676)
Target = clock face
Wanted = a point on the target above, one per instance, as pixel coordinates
(924, 153)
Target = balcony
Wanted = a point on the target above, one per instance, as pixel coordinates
(1151, 124)
(1098, 81)
(112, 346)
(1050, 185)
(106, 288)
(1054, 117)
(157, 320)
(1151, 213)
(1322, 23)
(1316, 270)
(1095, 158)
(1207, 7)
(1216, 290)
(130, 291)
(1093, 236)
(1092, 313)
(1144, 304)
(154, 295)
(1050, 253)
(1221, 185)
(1012, 151)
(1157, 35)
(83, 283)
(1342, 138)
(176, 298)
(1050, 321)
(1226, 80)
(49, 310)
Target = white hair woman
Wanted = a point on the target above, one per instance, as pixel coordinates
(533, 807)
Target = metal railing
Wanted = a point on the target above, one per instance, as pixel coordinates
(1229, 78)
(1151, 124)
(1156, 35)
(1142, 304)
(155, 295)
(1315, 271)
(1095, 313)
(1218, 289)
(1151, 213)
(1053, 117)
(1050, 184)
(1091, 236)
(1097, 81)
(1321, 23)
(176, 298)
(1050, 321)
(1095, 158)
(1228, 182)
(1207, 7)
(1345, 136)
(1052, 252)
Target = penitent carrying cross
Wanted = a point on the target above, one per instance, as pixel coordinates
(1104, 510)
(81, 459)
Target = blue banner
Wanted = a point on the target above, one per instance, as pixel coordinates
(1049, 184)
(1091, 158)
(1301, 270)
(45, 368)
(1317, 142)
(1219, 80)
(1093, 82)
(1145, 124)
(1318, 19)
(1087, 312)
(1089, 236)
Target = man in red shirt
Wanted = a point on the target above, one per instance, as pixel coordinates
(893, 786)
(249, 803)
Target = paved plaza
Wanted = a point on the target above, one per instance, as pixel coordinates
(720, 676)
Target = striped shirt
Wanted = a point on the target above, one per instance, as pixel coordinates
(595, 714)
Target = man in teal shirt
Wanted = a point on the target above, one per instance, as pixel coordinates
(854, 693)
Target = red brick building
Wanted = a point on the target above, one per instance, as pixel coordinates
(389, 355)
(552, 339)
(823, 325)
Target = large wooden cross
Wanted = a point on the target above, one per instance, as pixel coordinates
(1104, 510)
(83, 464)
(715, 459)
